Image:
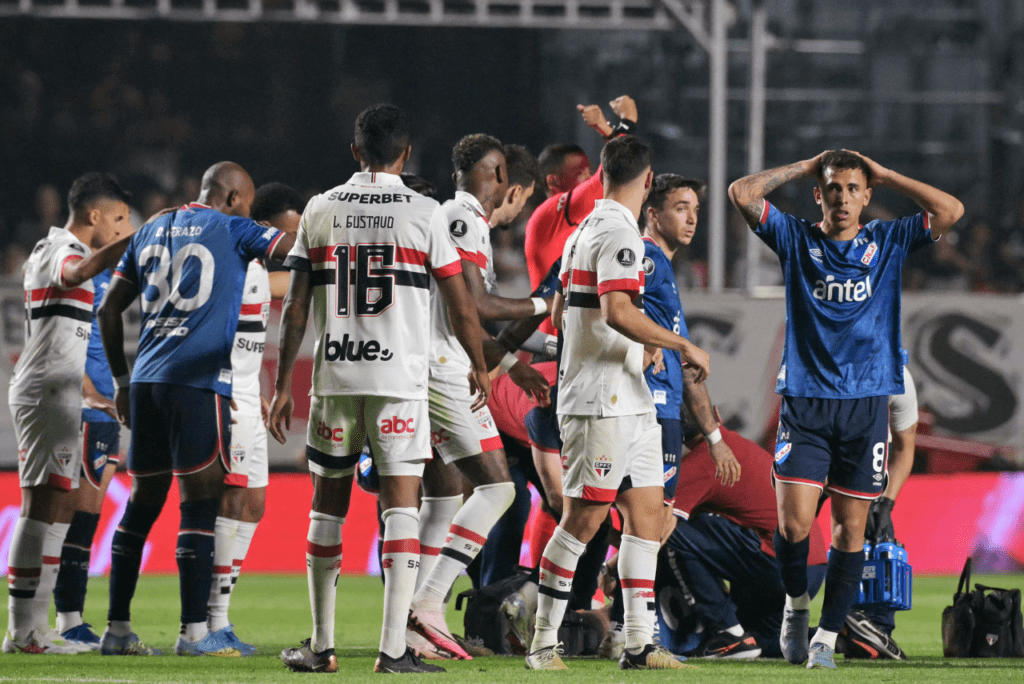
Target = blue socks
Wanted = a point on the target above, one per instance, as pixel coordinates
(793, 561)
(842, 581)
(195, 557)
(126, 557)
(69, 594)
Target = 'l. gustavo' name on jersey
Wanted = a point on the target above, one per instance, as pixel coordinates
(370, 247)
(842, 304)
(189, 267)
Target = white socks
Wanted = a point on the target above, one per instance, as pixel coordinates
(436, 515)
(638, 562)
(823, 636)
(465, 539)
(557, 568)
(231, 544)
(323, 565)
(220, 589)
(798, 602)
(400, 553)
(25, 560)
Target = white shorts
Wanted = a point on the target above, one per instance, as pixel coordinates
(598, 453)
(339, 426)
(249, 466)
(50, 442)
(455, 430)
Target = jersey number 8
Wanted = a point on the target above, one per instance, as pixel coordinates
(166, 277)
(375, 287)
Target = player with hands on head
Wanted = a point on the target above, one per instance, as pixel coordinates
(45, 400)
(187, 268)
(370, 375)
(606, 412)
(841, 361)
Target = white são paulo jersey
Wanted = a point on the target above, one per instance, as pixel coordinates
(58, 320)
(470, 232)
(601, 370)
(251, 338)
(370, 246)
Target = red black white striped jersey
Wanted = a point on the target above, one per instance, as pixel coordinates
(601, 371)
(58, 321)
(470, 232)
(370, 247)
(251, 338)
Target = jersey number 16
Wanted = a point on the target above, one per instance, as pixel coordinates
(375, 286)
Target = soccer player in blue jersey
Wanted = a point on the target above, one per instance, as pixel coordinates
(670, 217)
(841, 361)
(187, 268)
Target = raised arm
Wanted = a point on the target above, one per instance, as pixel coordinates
(78, 271)
(748, 193)
(293, 328)
(619, 313)
(943, 209)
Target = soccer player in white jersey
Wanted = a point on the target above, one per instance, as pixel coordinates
(841, 361)
(364, 257)
(463, 435)
(606, 412)
(186, 268)
(244, 499)
(45, 400)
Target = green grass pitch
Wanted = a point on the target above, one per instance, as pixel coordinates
(273, 613)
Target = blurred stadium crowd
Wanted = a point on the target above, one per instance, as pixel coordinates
(115, 104)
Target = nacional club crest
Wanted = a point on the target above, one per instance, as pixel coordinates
(602, 466)
(869, 254)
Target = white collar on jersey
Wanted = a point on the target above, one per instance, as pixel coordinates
(370, 178)
(472, 201)
(616, 206)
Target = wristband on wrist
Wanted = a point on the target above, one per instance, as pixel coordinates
(624, 127)
(539, 306)
(714, 437)
(122, 381)
(508, 361)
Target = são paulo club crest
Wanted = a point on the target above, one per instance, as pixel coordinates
(602, 466)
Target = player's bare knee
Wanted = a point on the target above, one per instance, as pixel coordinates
(204, 484)
(794, 531)
(331, 495)
(254, 506)
(232, 503)
(490, 467)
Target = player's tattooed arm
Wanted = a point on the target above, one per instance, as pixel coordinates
(748, 193)
(294, 315)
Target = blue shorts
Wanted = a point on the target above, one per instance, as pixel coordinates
(542, 425)
(671, 448)
(178, 428)
(841, 442)
(102, 446)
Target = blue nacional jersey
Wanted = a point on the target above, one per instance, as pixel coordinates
(96, 366)
(842, 305)
(189, 268)
(661, 304)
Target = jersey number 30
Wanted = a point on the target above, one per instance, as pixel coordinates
(166, 277)
(375, 286)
